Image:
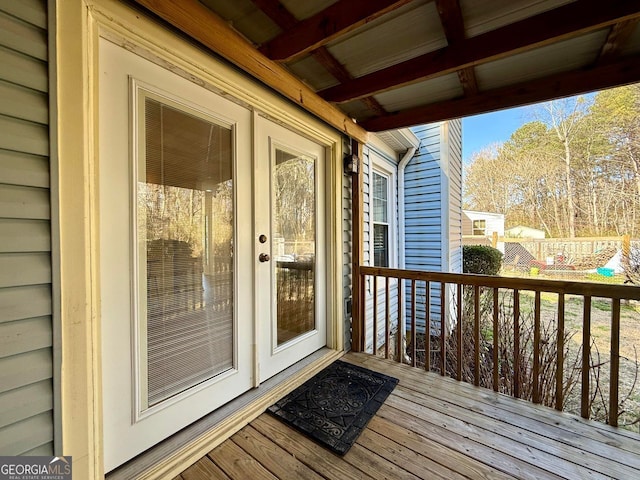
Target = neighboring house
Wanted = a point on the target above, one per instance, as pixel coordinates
(522, 231)
(180, 207)
(482, 224)
(480, 228)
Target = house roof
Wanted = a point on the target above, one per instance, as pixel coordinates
(395, 63)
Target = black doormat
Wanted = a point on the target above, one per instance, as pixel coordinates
(335, 405)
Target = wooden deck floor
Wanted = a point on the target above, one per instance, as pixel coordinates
(433, 427)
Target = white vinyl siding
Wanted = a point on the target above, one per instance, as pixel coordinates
(26, 337)
(347, 236)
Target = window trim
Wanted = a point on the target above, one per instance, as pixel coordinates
(382, 166)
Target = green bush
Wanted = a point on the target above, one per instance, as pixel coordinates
(481, 259)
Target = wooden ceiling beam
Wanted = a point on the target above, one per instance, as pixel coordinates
(567, 21)
(617, 38)
(319, 29)
(285, 20)
(277, 12)
(453, 24)
(451, 19)
(335, 68)
(201, 24)
(621, 72)
(467, 78)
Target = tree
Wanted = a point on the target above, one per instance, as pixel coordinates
(573, 171)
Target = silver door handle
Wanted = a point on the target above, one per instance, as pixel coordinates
(264, 257)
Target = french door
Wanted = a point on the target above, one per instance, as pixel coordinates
(212, 259)
(290, 247)
(175, 210)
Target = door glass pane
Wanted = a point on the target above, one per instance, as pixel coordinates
(294, 243)
(185, 244)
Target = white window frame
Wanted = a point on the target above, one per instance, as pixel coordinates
(384, 167)
(475, 229)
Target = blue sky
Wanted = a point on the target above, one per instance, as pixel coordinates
(483, 130)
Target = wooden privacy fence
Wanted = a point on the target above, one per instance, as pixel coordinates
(502, 334)
(567, 249)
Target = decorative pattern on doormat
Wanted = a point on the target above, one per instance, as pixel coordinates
(335, 405)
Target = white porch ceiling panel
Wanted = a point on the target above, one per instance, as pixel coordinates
(395, 63)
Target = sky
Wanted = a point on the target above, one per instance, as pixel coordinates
(487, 129)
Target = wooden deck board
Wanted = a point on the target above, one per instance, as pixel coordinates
(482, 398)
(433, 427)
(204, 469)
(277, 460)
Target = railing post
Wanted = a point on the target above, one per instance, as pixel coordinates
(443, 329)
(459, 331)
(387, 317)
(615, 362)
(476, 335)
(586, 357)
(357, 293)
(496, 329)
(375, 314)
(427, 329)
(516, 343)
(536, 348)
(560, 354)
(413, 323)
(401, 330)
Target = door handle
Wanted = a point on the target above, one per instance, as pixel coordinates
(264, 257)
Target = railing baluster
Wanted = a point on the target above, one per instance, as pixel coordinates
(363, 327)
(615, 362)
(375, 315)
(586, 357)
(496, 359)
(427, 329)
(443, 330)
(413, 323)
(387, 318)
(363, 315)
(476, 335)
(536, 349)
(459, 332)
(560, 354)
(516, 343)
(401, 323)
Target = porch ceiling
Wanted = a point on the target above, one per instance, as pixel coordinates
(396, 63)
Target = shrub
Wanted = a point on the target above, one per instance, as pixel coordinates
(481, 259)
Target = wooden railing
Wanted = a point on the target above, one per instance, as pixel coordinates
(509, 334)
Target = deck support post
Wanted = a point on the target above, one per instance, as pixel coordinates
(357, 289)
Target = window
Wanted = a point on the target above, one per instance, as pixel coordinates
(479, 227)
(380, 220)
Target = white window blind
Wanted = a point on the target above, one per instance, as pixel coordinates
(185, 233)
